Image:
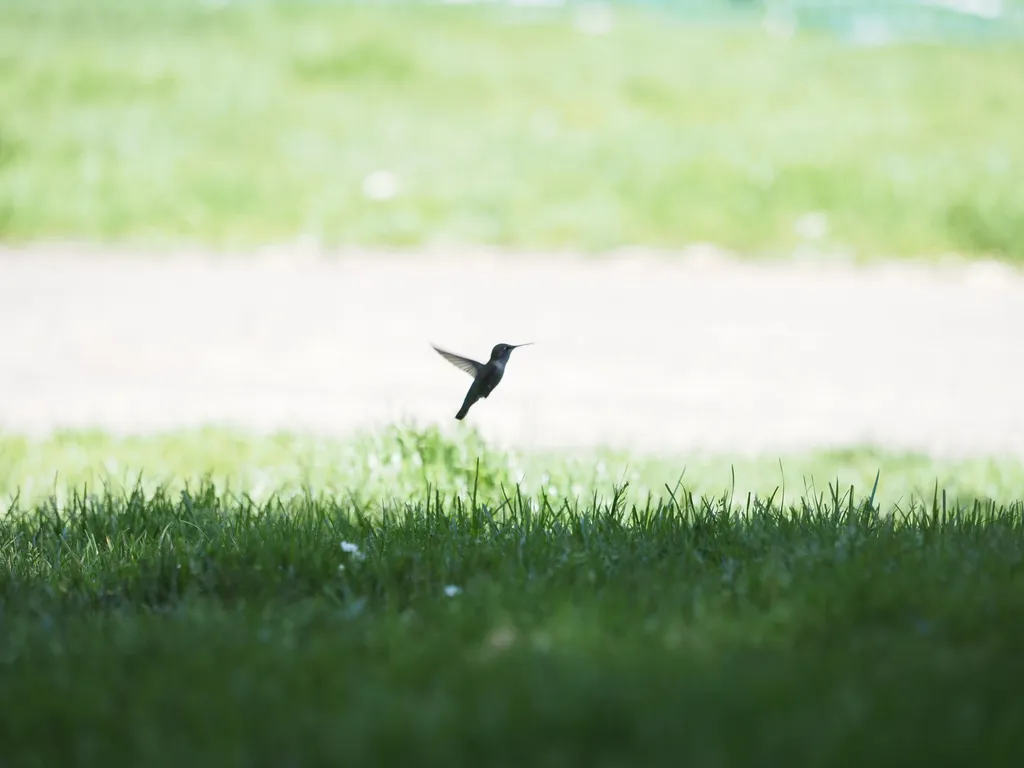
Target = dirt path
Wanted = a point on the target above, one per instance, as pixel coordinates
(639, 353)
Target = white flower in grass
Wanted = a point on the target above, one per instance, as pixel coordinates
(352, 549)
(452, 590)
(380, 186)
(811, 226)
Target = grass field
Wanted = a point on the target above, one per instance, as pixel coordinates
(425, 609)
(199, 627)
(234, 125)
(405, 460)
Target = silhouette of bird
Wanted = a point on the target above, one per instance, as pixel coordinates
(485, 377)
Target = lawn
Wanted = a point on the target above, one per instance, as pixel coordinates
(234, 125)
(490, 626)
(406, 460)
(222, 599)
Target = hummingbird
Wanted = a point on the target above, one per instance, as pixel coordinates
(485, 377)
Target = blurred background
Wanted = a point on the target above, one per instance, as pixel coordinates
(870, 129)
(736, 228)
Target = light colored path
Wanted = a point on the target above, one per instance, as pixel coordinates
(637, 353)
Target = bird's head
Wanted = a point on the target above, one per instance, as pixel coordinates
(502, 351)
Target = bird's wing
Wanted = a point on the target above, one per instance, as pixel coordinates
(472, 367)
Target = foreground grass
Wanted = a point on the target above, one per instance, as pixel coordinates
(404, 460)
(205, 629)
(237, 124)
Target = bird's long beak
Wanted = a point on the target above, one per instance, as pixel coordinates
(517, 346)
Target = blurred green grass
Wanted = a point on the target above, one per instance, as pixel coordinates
(233, 125)
(407, 460)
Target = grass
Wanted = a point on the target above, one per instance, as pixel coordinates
(233, 125)
(213, 598)
(405, 460)
(203, 628)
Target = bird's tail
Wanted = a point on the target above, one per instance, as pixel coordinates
(465, 406)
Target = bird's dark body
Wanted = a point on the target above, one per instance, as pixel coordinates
(485, 376)
(481, 387)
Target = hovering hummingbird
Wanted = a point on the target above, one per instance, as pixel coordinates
(485, 377)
